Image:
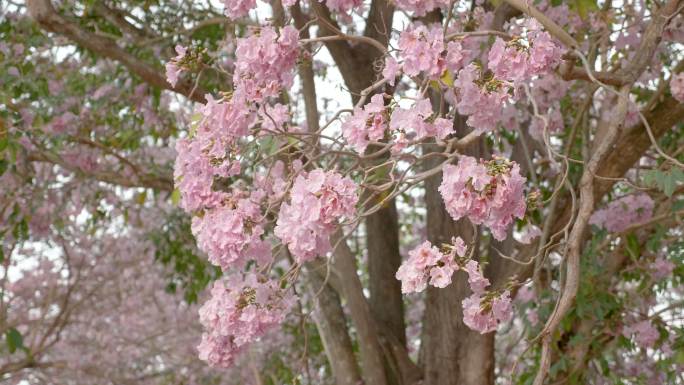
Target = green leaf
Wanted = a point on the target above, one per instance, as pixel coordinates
(141, 197)
(666, 181)
(175, 197)
(14, 340)
(633, 248)
(4, 141)
(584, 7)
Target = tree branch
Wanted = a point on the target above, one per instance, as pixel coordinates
(47, 17)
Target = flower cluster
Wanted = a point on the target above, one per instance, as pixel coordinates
(366, 124)
(343, 6)
(421, 49)
(207, 154)
(265, 63)
(677, 87)
(241, 310)
(236, 9)
(317, 201)
(645, 334)
(231, 234)
(521, 59)
(421, 7)
(484, 311)
(481, 100)
(621, 213)
(661, 268)
(487, 192)
(419, 122)
(428, 263)
(173, 70)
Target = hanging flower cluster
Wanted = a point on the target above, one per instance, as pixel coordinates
(483, 311)
(241, 310)
(487, 192)
(524, 57)
(317, 201)
(428, 264)
(265, 63)
(231, 234)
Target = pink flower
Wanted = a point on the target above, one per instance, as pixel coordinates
(677, 87)
(645, 334)
(529, 233)
(231, 234)
(343, 6)
(265, 63)
(210, 152)
(236, 9)
(172, 68)
(421, 50)
(483, 312)
(525, 294)
(521, 59)
(421, 7)
(475, 318)
(391, 70)
(455, 57)
(488, 193)
(240, 310)
(621, 213)
(661, 268)
(418, 119)
(366, 124)
(426, 263)
(476, 280)
(317, 201)
(482, 104)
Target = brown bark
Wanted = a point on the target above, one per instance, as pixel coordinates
(332, 327)
(383, 261)
(344, 264)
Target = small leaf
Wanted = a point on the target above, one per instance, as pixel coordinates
(448, 78)
(141, 197)
(633, 248)
(175, 197)
(14, 340)
(584, 7)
